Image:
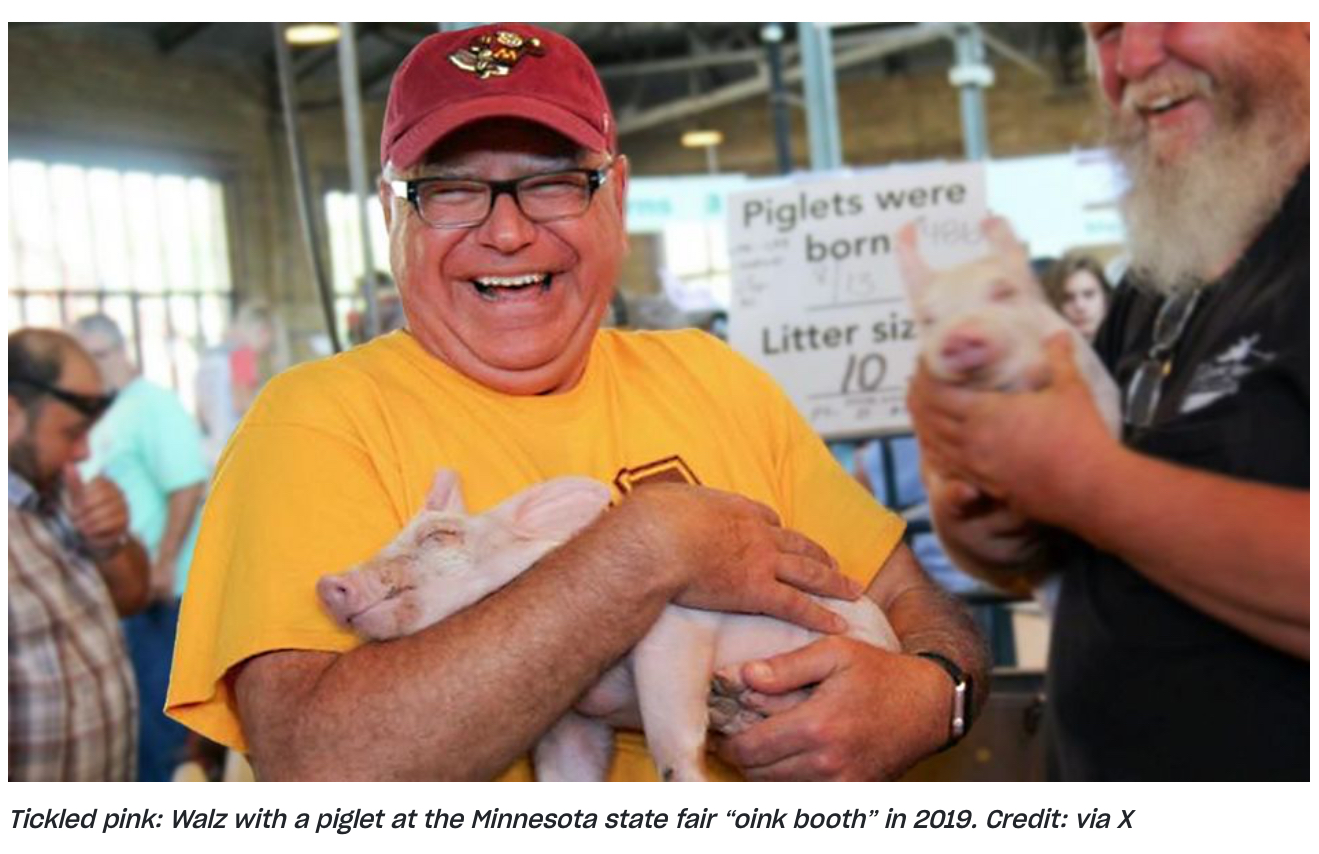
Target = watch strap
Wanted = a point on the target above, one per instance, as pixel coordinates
(963, 696)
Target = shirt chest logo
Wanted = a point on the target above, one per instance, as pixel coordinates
(1221, 376)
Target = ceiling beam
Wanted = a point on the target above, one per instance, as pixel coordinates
(867, 48)
(1010, 53)
(174, 36)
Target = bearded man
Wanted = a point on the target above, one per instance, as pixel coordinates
(1180, 647)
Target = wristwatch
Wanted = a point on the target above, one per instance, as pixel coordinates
(963, 697)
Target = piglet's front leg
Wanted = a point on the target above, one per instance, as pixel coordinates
(672, 666)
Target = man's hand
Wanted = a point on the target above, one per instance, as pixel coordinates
(986, 538)
(99, 514)
(1031, 450)
(872, 715)
(162, 581)
(734, 555)
(97, 510)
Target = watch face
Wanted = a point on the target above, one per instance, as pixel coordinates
(959, 710)
(962, 687)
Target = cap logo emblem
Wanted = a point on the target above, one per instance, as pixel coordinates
(495, 54)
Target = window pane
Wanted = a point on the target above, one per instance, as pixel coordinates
(172, 206)
(146, 254)
(84, 240)
(31, 229)
(216, 240)
(43, 311)
(72, 224)
(343, 227)
(109, 228)
(214, 319)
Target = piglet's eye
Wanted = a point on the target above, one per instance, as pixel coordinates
(440, 536)
(1003, 292)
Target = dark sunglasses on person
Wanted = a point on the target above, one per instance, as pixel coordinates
(1146, 386)
(91, 405)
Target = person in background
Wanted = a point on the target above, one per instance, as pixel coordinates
(504, 194)
(151, 448)
(1181, 640)
(74, 569)
(230, 374)
(390, 315)
(1078, 289)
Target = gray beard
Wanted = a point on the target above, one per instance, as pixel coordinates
(1189, 220)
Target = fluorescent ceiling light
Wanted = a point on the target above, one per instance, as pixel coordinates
(701, 138)
(303, 35)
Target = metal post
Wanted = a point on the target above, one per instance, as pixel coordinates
(300, 185)
(821, 96)
(772, 35)
(712, 159)
(352, 120)
(972, 75)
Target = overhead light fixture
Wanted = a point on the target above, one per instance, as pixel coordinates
(702, 138)
(306, 35)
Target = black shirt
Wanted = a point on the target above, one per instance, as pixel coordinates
(1142, 685)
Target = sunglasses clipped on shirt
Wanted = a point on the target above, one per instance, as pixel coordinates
(93, 406)
(1146, 386)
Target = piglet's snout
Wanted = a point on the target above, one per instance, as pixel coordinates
(340, 596)
(967, 350)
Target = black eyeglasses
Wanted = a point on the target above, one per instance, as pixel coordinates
(1147, 383)
(548, 196)
(91, 405)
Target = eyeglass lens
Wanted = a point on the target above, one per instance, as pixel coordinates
(541, 198)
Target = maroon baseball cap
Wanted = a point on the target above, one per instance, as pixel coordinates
(495, 70)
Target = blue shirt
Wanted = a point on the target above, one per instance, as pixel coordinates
(149, 446)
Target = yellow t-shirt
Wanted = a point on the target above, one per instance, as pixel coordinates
(337, 455)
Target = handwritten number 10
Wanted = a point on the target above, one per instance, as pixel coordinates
(865, 373)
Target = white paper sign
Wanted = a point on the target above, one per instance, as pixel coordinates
(817, 299)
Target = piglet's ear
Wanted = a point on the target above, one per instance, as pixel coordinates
(555, 509)
(445, 495)
(916, 274)
(1003, 241)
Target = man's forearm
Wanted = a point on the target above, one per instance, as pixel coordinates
(1235, 549)
(927, 618)
(181, 509)
(127, 575)
(467, 696)
(932, 620)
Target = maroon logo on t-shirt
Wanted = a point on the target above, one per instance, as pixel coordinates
(668, 470)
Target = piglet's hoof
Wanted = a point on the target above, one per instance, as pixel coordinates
(729, 715)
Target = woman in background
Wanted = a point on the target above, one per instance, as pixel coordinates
(1077, 288)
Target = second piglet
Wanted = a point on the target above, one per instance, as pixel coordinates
(983, 325)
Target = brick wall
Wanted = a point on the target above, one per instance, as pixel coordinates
(884, 119)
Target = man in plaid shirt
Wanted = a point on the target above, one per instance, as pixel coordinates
(73, 571)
